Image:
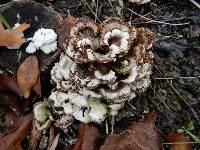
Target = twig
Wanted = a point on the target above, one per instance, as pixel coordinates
(194, 113)
(158, 95)
(155, 21)
(179, 143)
(159, 78)
(97, 7)
(91, 10)
(195, 3)
(106, 124)
(113, 124)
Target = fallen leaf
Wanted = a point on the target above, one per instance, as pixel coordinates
(150, 117)
(28, 75)
(11, 140)
(88, 138)
(176, 138)
(35, 138)
(51, 136)
(64, 27)
(17, 147)
(9, 83)
(12, 37)
(139, 136)
(12, 121)
(10, 100)
(37, 88)
(55, 142)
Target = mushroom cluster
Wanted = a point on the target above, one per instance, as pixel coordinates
(103, 66)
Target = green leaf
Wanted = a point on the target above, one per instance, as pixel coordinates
(194, 137)
(3, 20)
(190, 126)
(180, 130)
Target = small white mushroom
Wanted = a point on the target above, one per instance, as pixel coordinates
(44, 39)
(42, 116)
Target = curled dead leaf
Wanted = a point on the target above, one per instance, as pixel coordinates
(35, 138)
(13, 121)
(9, 83)
(12, 37)
(178, 142)
(88, 138)
(139, 136)
(17, 147)
(28, 75)
(64, 27)
(11, 140)
(37, 88)
(150, 117)
(10, 100)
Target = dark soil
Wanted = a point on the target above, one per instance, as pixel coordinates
(177, 55)
(175, 90)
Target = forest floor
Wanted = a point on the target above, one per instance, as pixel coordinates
(174, 93)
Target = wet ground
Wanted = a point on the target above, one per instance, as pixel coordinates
(175, 90)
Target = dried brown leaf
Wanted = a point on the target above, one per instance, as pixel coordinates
(64, 27)
(150, 117)
(12, 37)
(174, 138)
(88, 138)
(139, 136)
(37, 88)
(35, 138)
(11, 140)
(10, 100)
(51, 136)
(13, 121)
(9, 83)
(17, 147)
(55, 142)
(28, 75)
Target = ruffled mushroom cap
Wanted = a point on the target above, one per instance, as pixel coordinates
(85, 44)
(118, 35)
(116, 38)
(113, 71)
(82, 41)
(42, 116)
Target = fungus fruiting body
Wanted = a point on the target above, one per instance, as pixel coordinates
(103, 66)
(44, 39)
(42, 116)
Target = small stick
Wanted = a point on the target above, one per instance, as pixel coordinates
(155, 21)
(195, 3)
(179, 143)
(92, 11)
(176, 78)
(107, 132)
(192, 110)
(113, 124)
